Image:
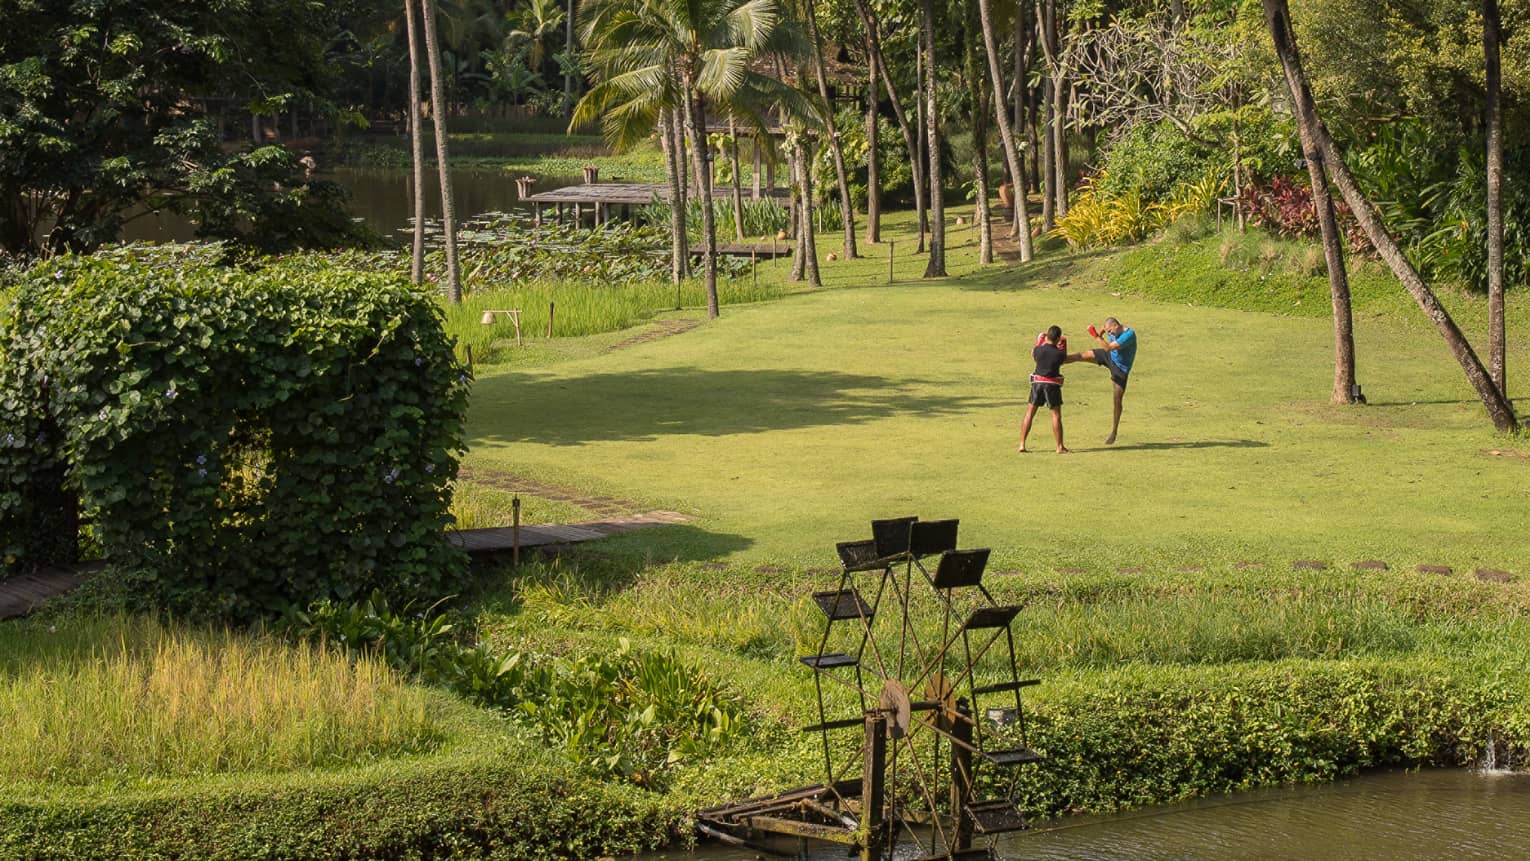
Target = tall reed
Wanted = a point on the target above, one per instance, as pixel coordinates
(132, 699)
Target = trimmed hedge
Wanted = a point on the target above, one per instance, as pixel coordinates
(508, 803)
(1153, 735)
(239, 439)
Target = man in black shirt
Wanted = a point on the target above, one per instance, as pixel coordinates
(1046, 386)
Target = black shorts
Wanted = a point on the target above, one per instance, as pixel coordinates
(1046, 394)
(1117, 376)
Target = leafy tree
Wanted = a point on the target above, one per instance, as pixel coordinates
(102, 106)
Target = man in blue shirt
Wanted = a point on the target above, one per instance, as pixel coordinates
(1117, 352)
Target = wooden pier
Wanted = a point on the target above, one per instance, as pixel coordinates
(608, 201)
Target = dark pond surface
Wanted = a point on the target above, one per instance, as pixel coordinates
(381, 197)
(1392, 816)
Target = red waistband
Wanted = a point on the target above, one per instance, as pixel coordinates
(1037, 378)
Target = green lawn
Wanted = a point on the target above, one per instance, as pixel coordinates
(785, 426)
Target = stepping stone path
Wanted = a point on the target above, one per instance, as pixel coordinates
(1073, 570)
(1128, 570)
(1244, 566)
(1493, 575)
(1434, 569)
(605, 506)
(1371, 565)
(660, 329)
(1309, 565)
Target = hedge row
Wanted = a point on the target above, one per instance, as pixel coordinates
(1144, 736)
(505, 804)
(240, 439)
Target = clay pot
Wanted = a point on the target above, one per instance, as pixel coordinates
(833, 257)
(1006, 194)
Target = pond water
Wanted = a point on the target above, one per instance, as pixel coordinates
(382, 197)
(1395, 816)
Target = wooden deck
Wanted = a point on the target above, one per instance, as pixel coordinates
(501, 539)
(19, 596)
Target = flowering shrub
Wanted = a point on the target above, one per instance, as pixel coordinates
(239, 439)
(1285, 207)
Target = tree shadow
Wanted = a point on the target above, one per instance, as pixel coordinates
(594, 568)
(1048, 271)
(1170, 446)
(649, 404)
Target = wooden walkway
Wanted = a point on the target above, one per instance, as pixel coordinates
(19, 596)
(628, 193)
(501, 539)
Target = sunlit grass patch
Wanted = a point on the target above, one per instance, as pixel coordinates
(124, 699)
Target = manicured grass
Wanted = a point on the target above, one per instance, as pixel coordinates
(786, 426)
(123, 700)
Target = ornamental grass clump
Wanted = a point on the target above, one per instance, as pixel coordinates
(239, 439)
(132, 699)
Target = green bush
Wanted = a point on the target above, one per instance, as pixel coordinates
(503, 801)
(1151, 159)
(239, 439)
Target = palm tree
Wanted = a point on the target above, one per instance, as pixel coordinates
(536, 21)
(846, 210)
(417, 147)
(1022, 222)
(438, 114)
(936, 267)
(653, 55)
(1496, 335)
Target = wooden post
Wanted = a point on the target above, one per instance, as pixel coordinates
(515, 527)
(756, 165)
(961, 775)
(754, 267)
(551, 306)
(892, 247)
(468, 349)
(873, 786)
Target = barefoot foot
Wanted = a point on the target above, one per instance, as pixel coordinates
(1061, 450)
(1110, 440)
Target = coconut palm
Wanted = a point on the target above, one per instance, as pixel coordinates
(438, 113)
(649, 56)
(417, 146)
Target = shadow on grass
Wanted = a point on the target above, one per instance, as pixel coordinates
(598, 567)
(645, 405)
(1048, 271)
(1171, 446)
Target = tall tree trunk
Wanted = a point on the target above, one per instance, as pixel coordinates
(568, 47)
(936, 267)
(1045, 22)
(807, 241)
(1021, 100)
(417, 147)
(1496, 330)
(696, 108)
(873, 162)
(978, 103)
(438, 113)
(1278, 17)
(836, 151)
(910, 138)
(738, 180)
(1006, 133)
(1333, 242)
(799, 203)
(674, 173)
(1060, 140)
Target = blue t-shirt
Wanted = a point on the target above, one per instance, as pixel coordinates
(1126, 350)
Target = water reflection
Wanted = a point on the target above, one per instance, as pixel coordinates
(382, 197)
(1396, 816)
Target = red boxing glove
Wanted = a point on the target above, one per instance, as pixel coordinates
(1062, 343)
(1093, 332)
(1041, 338)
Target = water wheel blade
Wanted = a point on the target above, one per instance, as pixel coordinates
(995, 817)
(829, 661)
(1015, 756)
(1001, 687)
(929, 537)
(840, 604)
(991, 617)
(891, 536)
(960, 568)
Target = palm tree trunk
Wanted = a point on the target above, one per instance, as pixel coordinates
(1046, 20)
(910, 141)
(738, 181)
(807, 240)
(920, 116)
(1006, 133)
(936, 267)
(1060, 140)
(696, 108)
(1333, 248)
(799, 203)
(417, 147)
(674, 174)
(846, 209)
(873, 165)
(1278, 17)
(1496, 331)
(438, 113)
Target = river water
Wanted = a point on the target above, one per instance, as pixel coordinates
(382, 198)
(1395, 816)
